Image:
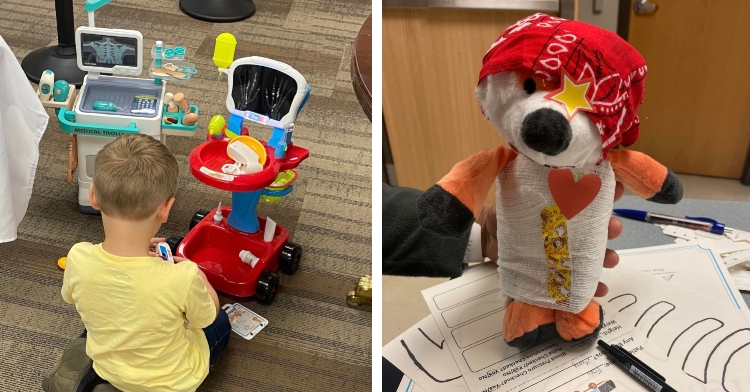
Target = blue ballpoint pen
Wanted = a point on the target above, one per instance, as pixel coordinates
(690, 222)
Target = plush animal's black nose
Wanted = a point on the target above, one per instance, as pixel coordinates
(546, 131)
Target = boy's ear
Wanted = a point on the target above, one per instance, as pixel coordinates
(92, 197)
(164, 210)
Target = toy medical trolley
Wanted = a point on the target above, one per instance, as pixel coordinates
(109, 106)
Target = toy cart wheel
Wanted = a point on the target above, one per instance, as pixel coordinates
(198, 217)
(290, 257)
(268, 286)
(174, 242)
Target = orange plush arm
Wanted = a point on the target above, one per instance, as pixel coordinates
(451, 206)
(646, 177)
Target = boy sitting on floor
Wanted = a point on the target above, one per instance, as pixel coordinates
(133, 304)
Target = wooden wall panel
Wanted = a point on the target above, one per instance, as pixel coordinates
(431, 63)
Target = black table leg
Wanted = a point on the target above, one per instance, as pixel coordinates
(218, 11)
(61, 59)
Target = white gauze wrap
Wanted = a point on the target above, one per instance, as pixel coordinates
(522, 194)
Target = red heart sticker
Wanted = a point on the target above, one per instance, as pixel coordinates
(571, 196)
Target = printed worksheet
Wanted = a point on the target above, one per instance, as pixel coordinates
(422, 355)
(469, 313)
(707, 339)
(695, 266)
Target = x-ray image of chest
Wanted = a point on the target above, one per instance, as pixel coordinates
(263, 90)
(103, 51)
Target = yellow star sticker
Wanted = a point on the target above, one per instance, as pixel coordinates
(572, 95)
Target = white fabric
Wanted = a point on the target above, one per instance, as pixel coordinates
(505, 103)
(22, 124)
(522, 194)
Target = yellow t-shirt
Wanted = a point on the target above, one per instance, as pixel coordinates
(134, 310)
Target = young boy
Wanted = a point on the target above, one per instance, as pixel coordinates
(133, 304)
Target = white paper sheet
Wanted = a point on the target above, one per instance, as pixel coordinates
(408, 385)
(695, 266)
(707, 339)
(469, 312)
(422, 355)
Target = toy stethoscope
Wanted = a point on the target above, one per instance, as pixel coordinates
(248, 153)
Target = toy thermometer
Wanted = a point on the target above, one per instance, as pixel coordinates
(165, 252)
(105, 106)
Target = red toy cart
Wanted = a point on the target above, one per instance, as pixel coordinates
(214, 243)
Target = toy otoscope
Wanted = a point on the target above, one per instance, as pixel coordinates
(60, 92)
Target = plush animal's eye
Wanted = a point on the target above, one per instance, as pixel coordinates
(529, 85)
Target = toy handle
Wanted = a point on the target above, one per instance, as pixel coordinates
(68, 125)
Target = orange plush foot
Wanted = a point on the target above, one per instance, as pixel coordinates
(528, 325)
(579, 326)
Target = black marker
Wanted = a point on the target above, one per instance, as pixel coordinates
(634, 366)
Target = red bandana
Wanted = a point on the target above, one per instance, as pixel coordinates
(546, 45)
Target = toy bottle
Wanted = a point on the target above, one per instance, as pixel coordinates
(46, 83)
(224, 50)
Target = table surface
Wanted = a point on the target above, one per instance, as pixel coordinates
(635, 234)
(361, 67)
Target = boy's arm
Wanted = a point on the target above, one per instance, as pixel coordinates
(65, 291)
(202, 303)
(210, 290)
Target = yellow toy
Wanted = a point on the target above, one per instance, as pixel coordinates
(224, 51)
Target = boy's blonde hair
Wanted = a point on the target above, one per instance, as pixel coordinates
(133, 176)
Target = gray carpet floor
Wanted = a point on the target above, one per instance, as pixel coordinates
(314, 342)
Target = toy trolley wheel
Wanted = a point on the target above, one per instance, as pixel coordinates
(198, 217)
(289, 259)
(268, 286)
(174, 242)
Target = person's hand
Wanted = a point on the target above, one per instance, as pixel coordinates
(611, 258)
(488, 221)
(153, 244)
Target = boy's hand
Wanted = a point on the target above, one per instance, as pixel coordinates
(152, 249)
(488, 221)
(153, 244)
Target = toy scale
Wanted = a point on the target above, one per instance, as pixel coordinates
(239, 252)
(110, 106)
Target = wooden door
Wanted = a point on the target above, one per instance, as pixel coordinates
(696, 114)
(431, 63)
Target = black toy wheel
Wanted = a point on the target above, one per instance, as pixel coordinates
(198, 217)
(268, 286)
(290, 257)
(174, 242)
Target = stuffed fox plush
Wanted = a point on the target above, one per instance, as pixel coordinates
(563, 94)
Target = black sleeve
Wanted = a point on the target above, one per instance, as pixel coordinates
(409, 249)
